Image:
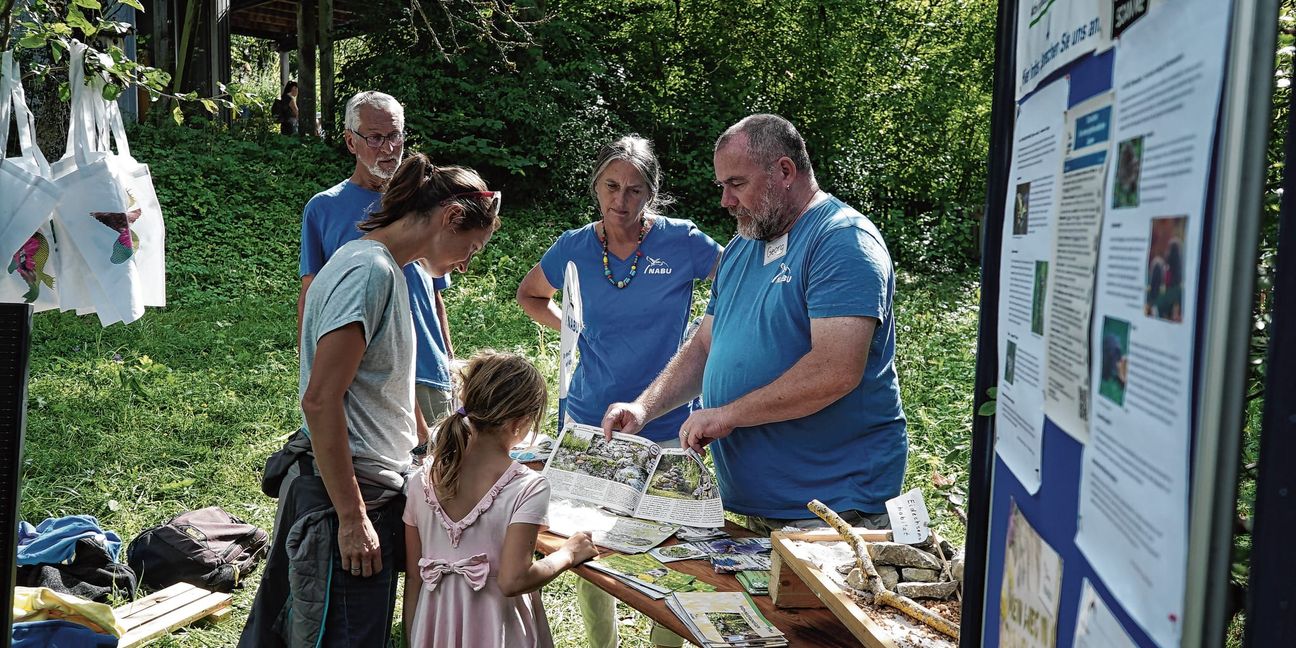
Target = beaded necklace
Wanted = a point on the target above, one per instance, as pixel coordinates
(634, 265)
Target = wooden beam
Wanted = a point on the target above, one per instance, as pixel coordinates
(307, 33)
(326, 66)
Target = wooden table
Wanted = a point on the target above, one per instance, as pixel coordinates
(807, 628)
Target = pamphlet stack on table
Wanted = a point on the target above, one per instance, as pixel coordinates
(755, 582)
(721, 619)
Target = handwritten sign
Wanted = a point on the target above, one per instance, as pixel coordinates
(910, 523)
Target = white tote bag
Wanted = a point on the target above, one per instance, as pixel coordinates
(28, 253)
(108, 218)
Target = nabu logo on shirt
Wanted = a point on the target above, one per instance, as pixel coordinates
(784, 274)
(657, 266)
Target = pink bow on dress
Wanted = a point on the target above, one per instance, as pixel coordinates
(474, 569)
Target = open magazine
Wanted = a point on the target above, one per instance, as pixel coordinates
(634, 476)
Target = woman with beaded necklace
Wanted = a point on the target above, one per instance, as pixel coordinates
(637, 269)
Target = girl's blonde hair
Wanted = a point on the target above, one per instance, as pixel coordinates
(497, 388)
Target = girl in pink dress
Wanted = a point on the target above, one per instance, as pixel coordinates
(472, 515)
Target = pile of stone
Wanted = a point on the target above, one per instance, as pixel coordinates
(922, 571)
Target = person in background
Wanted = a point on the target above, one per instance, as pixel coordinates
(795, 359)
(331, 576)
(472, 515)
(637, 270)
(375, 135)
(284, 109)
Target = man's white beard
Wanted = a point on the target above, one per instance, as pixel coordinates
(377, 170)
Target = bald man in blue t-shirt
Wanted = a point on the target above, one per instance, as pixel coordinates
(795, 359)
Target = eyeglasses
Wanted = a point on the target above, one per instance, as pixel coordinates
(492, 200)
(377, 141)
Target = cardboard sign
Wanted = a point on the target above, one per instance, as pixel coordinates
(910, 523)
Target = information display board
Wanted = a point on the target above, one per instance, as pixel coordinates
(1113, 178)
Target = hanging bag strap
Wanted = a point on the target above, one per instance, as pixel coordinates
(81, 122)
(13, 103)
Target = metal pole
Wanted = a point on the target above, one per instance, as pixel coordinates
(1225, 322)
(1271, 595)
(1003, 114)
(15, 355)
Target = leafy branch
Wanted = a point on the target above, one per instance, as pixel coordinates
(52, 26)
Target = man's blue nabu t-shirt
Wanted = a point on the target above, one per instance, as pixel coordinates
(329, 222)
(630, 333)
(851, 454)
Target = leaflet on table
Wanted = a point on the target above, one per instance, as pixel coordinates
(1051, 34)
(1133, 509)
(635, 476)
(1032, 587)
(1024, 278)
(626, 535)
(1075, 251)
(724, 618)
(1096, 626)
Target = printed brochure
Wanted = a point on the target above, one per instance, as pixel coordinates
(634, 476)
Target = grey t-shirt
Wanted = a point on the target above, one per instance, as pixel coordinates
(363, 283)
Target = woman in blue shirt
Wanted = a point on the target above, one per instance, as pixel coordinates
(637, 270)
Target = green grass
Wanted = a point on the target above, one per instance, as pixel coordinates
(136, 423)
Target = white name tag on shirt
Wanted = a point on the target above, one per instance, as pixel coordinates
(776, 249)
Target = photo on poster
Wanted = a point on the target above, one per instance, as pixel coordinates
(1021, 210)
(1010, 363)
(1115, 359)
(1165, 269)
(1037, 297)
(1129, 168)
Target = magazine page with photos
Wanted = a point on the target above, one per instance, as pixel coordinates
(634, 476)
(612, 474)
(682, 491)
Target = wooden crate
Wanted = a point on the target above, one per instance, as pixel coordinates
(795, 583)
(168, 609)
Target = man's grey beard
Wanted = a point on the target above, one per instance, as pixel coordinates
(763, 223)
(377, 170)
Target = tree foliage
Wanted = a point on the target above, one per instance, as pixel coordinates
(892, 97)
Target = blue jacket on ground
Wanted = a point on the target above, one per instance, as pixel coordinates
(53, 541)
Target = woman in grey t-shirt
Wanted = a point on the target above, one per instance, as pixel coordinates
(356, 384)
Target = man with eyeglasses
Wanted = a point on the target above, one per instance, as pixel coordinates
(375, 124)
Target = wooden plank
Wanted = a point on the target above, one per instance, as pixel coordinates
(842, 605)
(805, 628)
(786, 589)
(158, 604)
(205, 605)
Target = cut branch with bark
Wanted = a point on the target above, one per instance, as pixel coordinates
(881, 595)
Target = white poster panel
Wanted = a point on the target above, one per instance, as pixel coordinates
(1075, 251)
(1052, 33)
(1033, 188)
(1133, 509)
